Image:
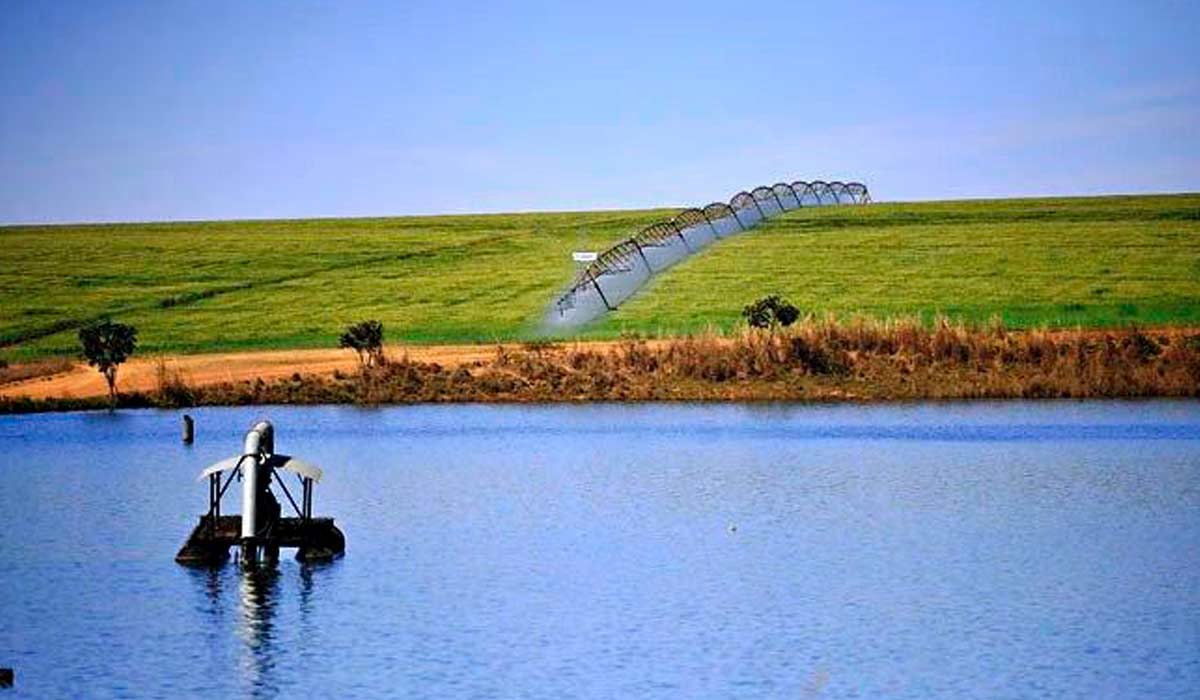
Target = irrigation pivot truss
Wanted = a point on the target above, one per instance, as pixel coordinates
(622, 269)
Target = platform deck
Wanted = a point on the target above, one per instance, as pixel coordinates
(315, 538)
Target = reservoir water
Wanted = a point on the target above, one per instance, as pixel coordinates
(663, 551)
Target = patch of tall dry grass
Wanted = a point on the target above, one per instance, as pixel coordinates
(817, 359)
(19, 372)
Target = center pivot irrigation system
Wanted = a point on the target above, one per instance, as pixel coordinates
(624, 268)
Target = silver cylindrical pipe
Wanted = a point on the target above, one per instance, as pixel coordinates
(261, 438)
(249, 494)
(259, 443)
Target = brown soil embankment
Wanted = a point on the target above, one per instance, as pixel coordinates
(813, 361)
(64, 379)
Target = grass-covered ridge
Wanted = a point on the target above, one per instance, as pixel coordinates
(194, 287)
(1094, 262)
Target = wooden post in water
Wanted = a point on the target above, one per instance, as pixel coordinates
(189, 429)
(6, 678)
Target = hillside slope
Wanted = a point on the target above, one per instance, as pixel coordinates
(1094, 262)
(221, 286)
(193, 287)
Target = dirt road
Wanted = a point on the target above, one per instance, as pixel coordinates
(141, 373)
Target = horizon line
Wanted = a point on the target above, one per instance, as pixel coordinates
(529, 212)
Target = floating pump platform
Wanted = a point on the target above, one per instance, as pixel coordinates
(315, 539)
(259, 532)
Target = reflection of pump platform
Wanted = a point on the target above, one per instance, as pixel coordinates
(260, 531)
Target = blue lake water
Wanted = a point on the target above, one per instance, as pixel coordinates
(663, 551)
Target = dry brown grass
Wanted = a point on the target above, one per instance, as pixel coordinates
(816, 360)
(32, 370)
(174, 387)
(819, 359)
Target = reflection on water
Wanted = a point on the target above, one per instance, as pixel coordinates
(257, 588)
(930, 550)
(253, 598)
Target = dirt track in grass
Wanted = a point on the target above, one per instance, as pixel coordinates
(142, 373)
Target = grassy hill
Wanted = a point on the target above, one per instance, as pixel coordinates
(192, 287)
(1093, 262)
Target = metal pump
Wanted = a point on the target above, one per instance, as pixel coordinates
(260, 531)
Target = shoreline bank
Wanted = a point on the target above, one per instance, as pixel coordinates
(814, 361)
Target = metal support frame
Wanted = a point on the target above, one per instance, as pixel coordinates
(228, 481)
(214, 502)
(790, 189)
(214, 486)
(807, 188)
(286, 492)
(589, 274)
(638, 246)
(737, 218)
(215, 492)
(799, 195)
(761, 213)
(679, 232)
(777, 199)
(711, 225)
(599, 291)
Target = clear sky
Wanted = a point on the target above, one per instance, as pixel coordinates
(208, 109)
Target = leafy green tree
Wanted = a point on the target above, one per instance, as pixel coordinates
(770, 312)
(106, 345)
(365, 339)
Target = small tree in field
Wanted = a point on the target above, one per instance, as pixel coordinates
(365, 339)
(106, 345)
(770, 312)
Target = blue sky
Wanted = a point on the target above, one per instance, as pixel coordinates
(206, 110)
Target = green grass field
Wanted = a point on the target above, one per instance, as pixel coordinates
(194, 287)
(1092, 262)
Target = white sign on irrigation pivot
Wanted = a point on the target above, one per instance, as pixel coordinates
(584, 256)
